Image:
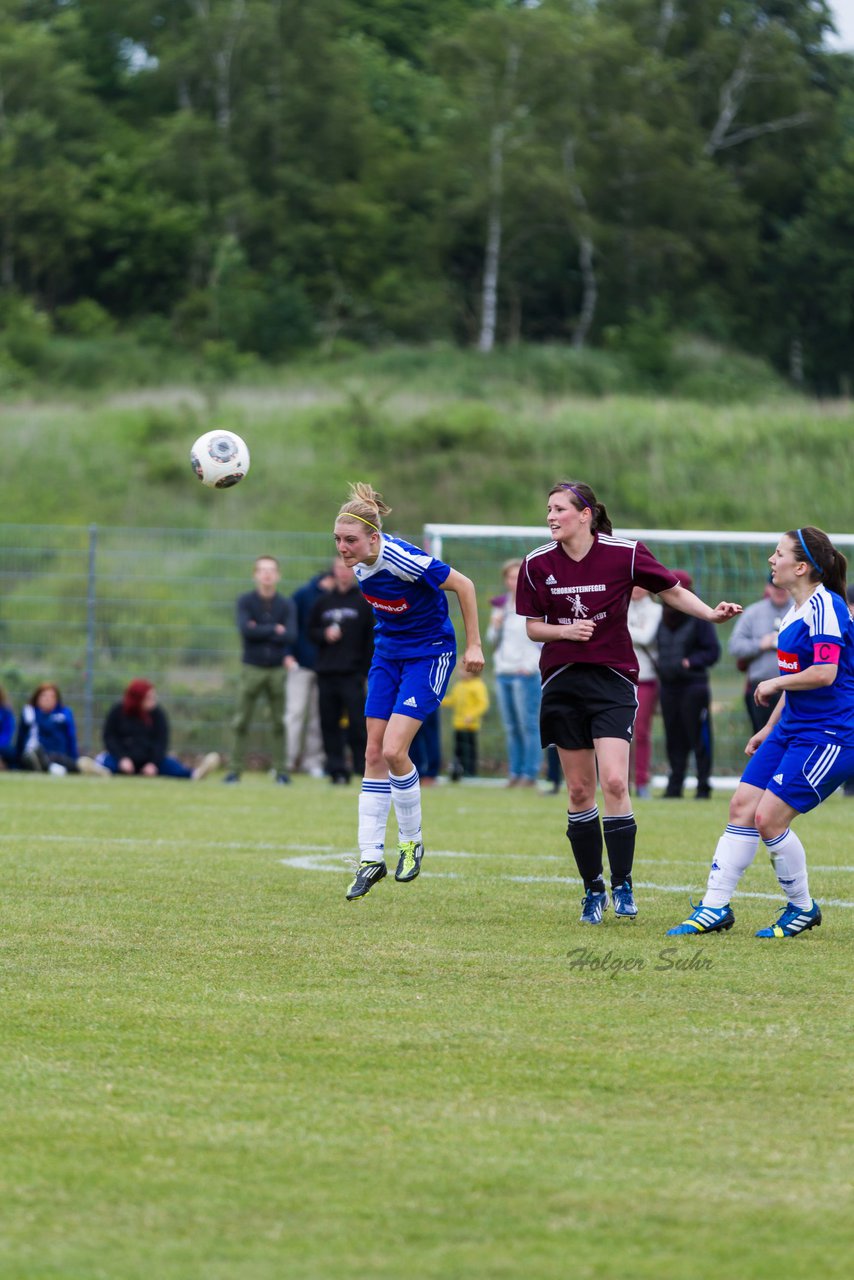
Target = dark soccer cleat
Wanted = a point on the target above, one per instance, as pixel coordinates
(366, 877)
(793, 921)
(625, 906)
(704, 920)
(593, 907)
(409, 862)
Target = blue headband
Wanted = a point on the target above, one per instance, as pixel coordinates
(580, 496)
(807, 552)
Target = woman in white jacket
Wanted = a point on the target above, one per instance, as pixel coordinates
(643, 620)
(517, 682)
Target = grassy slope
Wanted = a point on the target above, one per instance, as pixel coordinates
(448, 436)
(213, 1065)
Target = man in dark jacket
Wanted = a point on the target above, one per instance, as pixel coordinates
(303, 740)
(267, 625)
(687, 647)
(341, 626)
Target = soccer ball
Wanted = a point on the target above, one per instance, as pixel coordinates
(220, 459)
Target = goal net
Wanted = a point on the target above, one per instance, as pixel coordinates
(724, 566)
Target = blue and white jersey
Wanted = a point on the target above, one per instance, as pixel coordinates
(404, 589)
(821, 630)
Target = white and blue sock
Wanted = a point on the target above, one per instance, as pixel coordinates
(374, 806)
(790, 866)
(406, 798)
(735, 851)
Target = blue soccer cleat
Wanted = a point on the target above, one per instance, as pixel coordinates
(794, 920)
(704, 920)
(625, 906)
(593, 907)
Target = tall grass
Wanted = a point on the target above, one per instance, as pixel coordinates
(447, 435)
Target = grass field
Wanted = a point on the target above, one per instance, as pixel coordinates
(213, 1066)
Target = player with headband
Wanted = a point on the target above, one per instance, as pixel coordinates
(575, 593)
(414, 656)
(804, 752)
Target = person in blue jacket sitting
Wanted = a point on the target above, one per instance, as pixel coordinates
(47, 736)
(8, 754)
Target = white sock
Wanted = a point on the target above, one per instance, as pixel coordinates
(374, 806)
(790, 865)
(735, 851)
(406, 796)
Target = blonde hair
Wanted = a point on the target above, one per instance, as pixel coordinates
(364, 505)
(512, 563)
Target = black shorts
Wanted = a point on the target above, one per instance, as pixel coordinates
(583, 702)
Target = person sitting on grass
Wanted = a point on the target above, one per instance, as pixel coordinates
(136, 735)
(8, 754)
(47, 736)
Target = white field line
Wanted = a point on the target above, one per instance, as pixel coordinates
(332, 862)
(343, 854)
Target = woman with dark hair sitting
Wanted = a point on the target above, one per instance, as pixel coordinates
(136, 735)
(47, 736)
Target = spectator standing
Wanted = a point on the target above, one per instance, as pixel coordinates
(517, 682)
(468, 698)
(268, 627)
(8, 752)
(341, 627)
(303, 734)
(753, 644)
(136, 737)
(687, 648)
(644, 619)
(426, 749)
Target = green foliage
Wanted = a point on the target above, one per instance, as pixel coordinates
(449, 435)
(275, 176)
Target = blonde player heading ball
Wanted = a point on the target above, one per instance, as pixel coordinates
(414, 656)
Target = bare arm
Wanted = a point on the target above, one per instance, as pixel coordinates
(819, 676)
(685, 601)
(541, 631)
(463, 589)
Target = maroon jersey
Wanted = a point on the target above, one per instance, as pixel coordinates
(557, 589)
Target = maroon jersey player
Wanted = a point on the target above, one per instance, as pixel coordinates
(575, 594)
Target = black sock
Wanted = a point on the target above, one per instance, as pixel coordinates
(620, 842)
(585, 836)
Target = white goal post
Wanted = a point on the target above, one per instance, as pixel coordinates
(723, 565)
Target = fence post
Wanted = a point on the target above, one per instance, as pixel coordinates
(89, 688)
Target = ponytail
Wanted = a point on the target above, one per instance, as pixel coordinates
(365, 506)
(827, 565)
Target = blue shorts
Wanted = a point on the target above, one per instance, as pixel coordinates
(408, 686)
(801, 775)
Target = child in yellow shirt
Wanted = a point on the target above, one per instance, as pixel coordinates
(468, 698)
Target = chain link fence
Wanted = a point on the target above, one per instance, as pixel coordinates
(92, 608)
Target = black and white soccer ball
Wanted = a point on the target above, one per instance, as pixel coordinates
(220, 459)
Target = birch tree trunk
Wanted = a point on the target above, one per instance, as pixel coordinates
(589, 287)
(495, 216)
